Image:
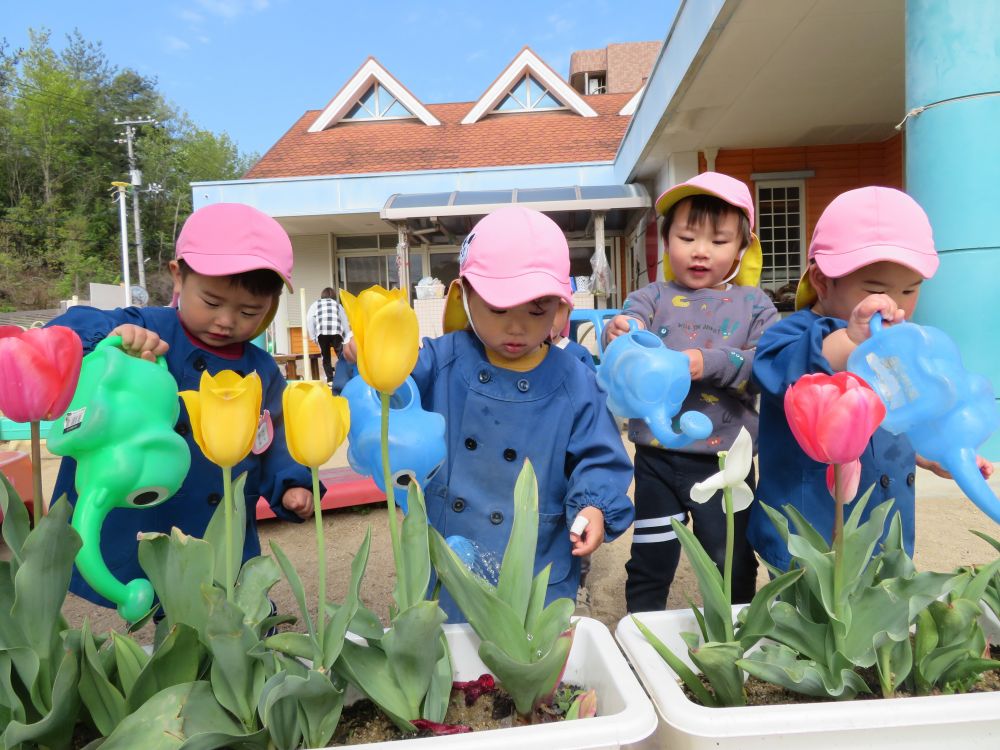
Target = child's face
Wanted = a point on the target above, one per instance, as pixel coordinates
(838, 297)
(216, 312)
(514, 332)
(702, 256)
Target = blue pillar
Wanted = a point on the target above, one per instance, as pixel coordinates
(953, 171)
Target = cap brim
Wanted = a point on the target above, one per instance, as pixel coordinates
(679, 193)
(509, 292)
(227, 265)
(843, 263)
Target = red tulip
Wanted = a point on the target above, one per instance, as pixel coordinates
(833, 416)
(39, 369)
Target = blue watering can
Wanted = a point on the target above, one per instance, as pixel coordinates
(416, 437)
(946, 411)
(646, 380)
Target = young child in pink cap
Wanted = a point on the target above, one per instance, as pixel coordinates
(709, 307)
(232, 262)
(507, 396)
(871, 250)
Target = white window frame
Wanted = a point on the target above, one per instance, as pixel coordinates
(773, 285)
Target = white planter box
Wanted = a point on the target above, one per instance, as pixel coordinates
(967, 721)
(625, 717)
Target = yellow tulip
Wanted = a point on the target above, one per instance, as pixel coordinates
(224, 413)
(316, 422)
(386, 333)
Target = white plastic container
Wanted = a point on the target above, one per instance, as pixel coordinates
(625, 717)
(966, 721)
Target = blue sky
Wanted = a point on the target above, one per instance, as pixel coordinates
(252, 67)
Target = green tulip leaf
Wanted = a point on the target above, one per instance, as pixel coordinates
(104, 701)
(492, 618)
(718, 611)
(682, 670)
(180, 567)
(176, 661)
(298, 590)
(55, 728)
(368, 669)
(215, 532)
(518, 566)
(253, 583)
(413, 647)
(337, 626)
(414, 575)
(528, 684)
(130, 659)
(236, 677)
(717, 661)
(16, 522)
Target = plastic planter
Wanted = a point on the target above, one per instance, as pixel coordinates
(969, 720)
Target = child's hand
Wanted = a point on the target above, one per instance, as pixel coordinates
(350, 352)
(299, 501)
(858, 329)
(697, 365)
(592, 536)
(619, 325)
(984, 466)
(141, 342)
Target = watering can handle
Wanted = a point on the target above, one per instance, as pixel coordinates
(116, 341)
(875, 324)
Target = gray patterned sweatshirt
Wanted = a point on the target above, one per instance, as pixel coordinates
(725, 325)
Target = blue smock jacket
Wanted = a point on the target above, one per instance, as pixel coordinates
(190, 510)
(787, 351)
(496, 418)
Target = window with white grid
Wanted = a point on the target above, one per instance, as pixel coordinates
(781, 228)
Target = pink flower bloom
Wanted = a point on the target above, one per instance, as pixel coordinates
(850, 478)
(833, 416)
(39, 369)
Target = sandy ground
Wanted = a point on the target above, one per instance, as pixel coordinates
(944, 517)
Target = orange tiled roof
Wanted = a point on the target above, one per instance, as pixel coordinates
(407, 145)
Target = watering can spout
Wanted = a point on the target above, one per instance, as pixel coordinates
(135, 598)
(962, 465)
(693, 426)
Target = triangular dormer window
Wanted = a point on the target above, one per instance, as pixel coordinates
(528, 85)
(377, 104)
(371, 95)
(528, 96)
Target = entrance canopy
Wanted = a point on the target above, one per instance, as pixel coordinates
(443, 218)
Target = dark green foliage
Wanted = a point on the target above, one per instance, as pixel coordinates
(59, 228)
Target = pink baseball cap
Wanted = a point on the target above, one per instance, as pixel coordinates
(512, 256)
(736, 194)
(223, 239)
(866, 226)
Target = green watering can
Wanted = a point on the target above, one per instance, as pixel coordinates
(120, 429)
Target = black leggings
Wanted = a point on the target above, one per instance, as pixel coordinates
(663, 481)
(326, 343)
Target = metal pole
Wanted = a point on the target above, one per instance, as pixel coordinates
(135, 177)
(123, 217)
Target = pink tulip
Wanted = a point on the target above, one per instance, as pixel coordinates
(850, 478)
(39, 369)
(833, 416)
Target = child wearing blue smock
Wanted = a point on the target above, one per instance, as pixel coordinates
(870, 251)
(507, 395)
(232, 261)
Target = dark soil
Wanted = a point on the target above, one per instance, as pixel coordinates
(362, 721)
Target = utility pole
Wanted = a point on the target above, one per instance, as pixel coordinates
(135, 177)
(123, 218)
